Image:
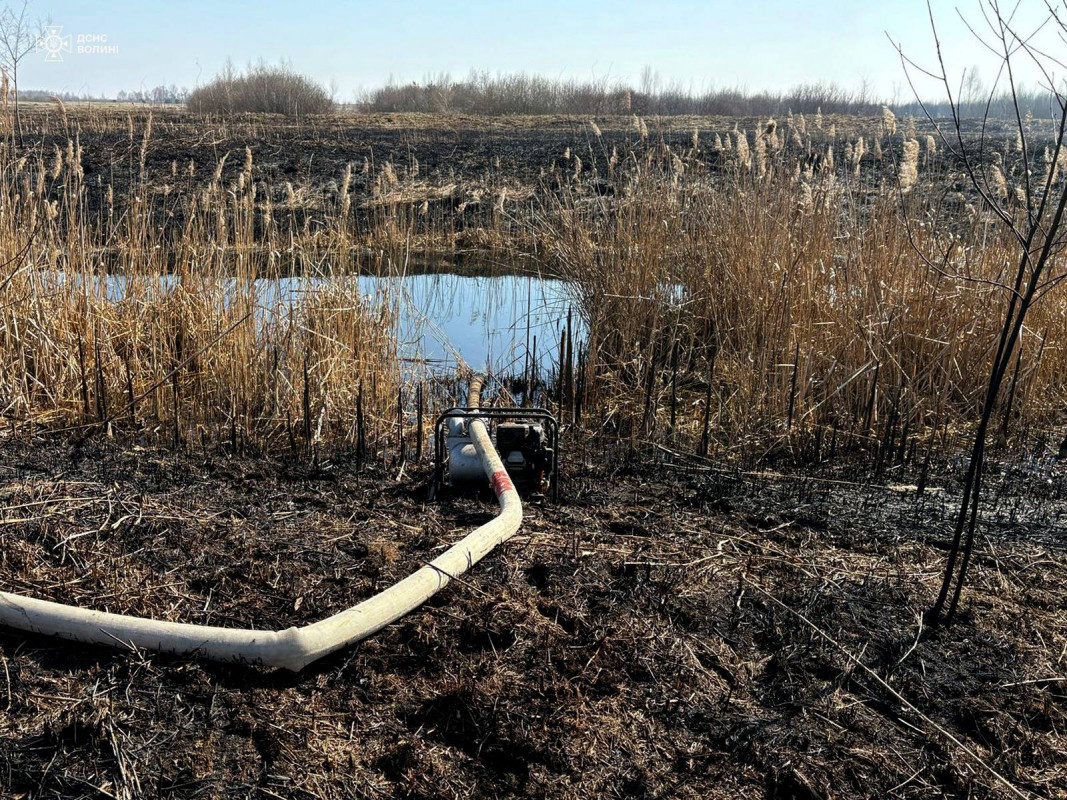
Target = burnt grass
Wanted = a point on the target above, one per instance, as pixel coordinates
(455, 163)
(670, 629)
(460, 166)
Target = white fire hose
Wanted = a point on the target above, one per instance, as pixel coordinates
(293, 648)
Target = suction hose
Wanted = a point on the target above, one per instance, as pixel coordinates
(294, 648)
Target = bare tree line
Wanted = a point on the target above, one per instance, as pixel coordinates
(535, 95)
(158, 95)
(523, 93)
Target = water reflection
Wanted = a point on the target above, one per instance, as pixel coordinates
(485, 321)
(443, 319)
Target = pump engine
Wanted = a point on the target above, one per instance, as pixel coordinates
(526, 439)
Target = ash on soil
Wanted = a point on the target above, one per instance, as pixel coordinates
(641, 639)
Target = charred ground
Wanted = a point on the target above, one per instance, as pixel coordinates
(461, 166)
(644, 638)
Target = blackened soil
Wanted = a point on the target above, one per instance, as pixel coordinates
(663, 632)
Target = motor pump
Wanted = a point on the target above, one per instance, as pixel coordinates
(523, 448)
(526, 439)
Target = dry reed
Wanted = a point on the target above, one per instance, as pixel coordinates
(800, 295)
(201, 317)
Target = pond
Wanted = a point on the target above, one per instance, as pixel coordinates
(445, 319)
(484, 321)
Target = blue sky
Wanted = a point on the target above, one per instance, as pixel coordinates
(354, 45)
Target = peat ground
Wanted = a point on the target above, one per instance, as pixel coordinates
(666, 631)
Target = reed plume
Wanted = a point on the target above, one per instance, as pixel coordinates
(889, 122)
(744, 157)
(997, 184)
(908, 174)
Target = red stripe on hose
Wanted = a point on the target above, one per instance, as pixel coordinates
(501, 482)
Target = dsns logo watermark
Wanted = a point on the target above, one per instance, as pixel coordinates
(54, 43)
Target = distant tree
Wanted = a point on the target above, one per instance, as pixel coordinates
(261, 88)
(973, 92)
(18, 36)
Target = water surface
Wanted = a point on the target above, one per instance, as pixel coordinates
(445, 319)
